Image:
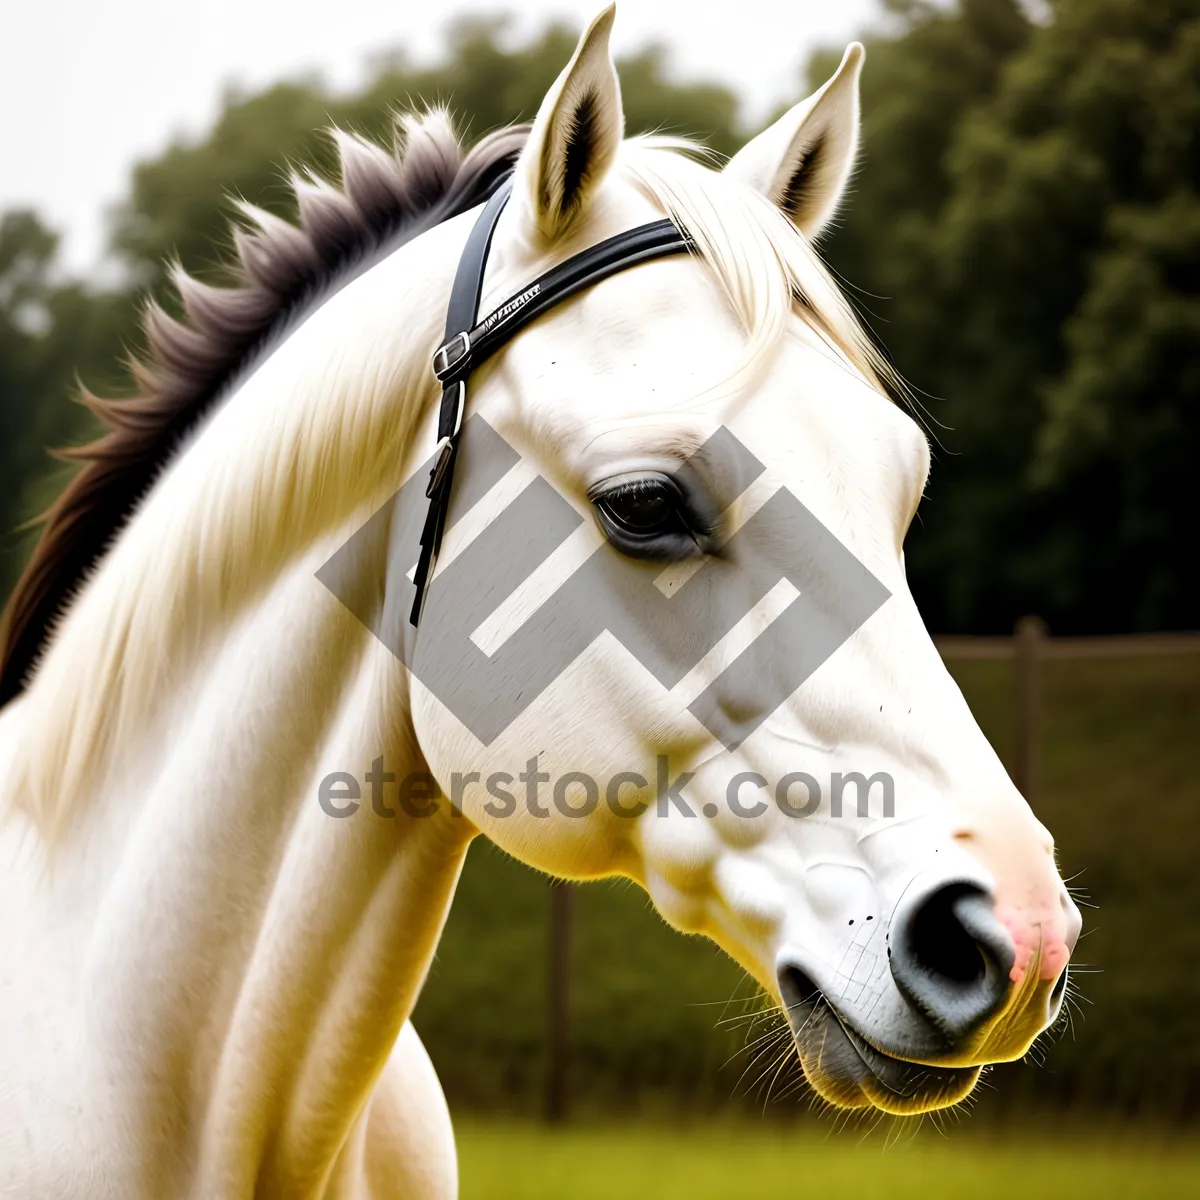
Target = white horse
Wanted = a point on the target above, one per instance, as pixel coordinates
(205, 978)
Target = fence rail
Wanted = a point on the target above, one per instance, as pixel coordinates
(1130, 645)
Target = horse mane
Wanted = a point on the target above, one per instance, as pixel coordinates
(280, 273)
(320, 442)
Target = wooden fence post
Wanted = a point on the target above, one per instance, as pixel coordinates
(1030, 633)
(558, 994)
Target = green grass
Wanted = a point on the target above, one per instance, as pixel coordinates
(504, 1161)
(1120, 790)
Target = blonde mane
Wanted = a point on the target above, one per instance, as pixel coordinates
(316, 435)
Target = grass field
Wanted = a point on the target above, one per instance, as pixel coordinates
(1120, 789)
(500, 1161)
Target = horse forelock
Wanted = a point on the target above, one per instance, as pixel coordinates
(280, 273)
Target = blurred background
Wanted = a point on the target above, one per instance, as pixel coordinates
(1023, 237)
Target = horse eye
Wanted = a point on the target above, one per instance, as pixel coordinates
(644, 507)
(648, 517)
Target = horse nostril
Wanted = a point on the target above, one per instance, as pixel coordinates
(1060, 985)
(941, 941)
(797, 988)
(951, 958)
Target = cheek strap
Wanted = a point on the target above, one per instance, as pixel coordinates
(469, 342)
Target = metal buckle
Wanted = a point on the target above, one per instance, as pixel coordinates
(451, 354)
(444, 451)
(445, 448)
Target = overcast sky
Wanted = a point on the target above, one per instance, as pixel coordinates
(87, 87)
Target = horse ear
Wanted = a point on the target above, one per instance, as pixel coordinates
(575, 136)
(803, 162)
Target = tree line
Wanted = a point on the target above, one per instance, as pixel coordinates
(1023, 237)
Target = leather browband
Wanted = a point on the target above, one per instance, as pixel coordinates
(468, 344)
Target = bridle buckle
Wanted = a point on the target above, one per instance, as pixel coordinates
(444, 451)
(450, 355)
(457, 356)
(445, 447)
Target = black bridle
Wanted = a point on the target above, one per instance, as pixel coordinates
(467, 344)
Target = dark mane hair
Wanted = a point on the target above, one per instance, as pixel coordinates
(281, 273)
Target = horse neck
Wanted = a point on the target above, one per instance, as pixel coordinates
(248, 960)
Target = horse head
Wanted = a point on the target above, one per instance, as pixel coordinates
(672, 639)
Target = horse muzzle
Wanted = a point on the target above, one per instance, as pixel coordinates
(952, 999)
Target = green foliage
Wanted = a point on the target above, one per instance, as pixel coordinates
(47, 331)
(1027, 206)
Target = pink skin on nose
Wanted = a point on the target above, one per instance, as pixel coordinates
(1046, 929)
